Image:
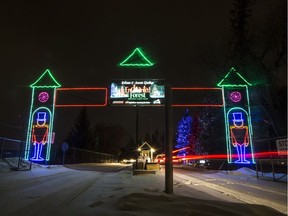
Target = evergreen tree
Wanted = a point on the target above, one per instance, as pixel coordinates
(263, 61)
(241, 37)
(147, 138)
(156, 141)
(80, 135)
(195, 143)
(208, 121)
(109, 138)
(184, 133)
(191, 130)
(130, 150)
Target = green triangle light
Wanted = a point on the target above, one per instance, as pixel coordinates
(46, 80)
(136, 59)
(233, 78)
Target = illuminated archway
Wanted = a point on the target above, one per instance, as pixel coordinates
(235, 103)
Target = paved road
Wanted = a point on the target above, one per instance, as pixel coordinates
(111, 167)
(79, 189)
(56, 191)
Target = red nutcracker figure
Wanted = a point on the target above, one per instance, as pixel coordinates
(39, 135)
(240, 137)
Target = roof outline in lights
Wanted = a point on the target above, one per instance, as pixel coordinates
(136, 59)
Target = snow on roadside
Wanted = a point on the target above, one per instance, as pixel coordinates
(250, 173)
(143, 195)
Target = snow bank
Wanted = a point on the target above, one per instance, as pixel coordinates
(158, 205)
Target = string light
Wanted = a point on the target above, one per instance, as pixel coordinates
(196, 89)
(83, 89)
(240, 81)
(137, 54)
(46, 108)
(48, 78)
(244, 149)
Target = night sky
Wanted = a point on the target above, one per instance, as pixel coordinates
(82, 43)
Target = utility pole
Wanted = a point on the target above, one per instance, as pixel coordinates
(137, 123)
(168, 141)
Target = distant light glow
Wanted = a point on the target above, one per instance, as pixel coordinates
(181, 149)
(257, 155)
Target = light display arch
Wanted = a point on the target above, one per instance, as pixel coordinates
(235, 104)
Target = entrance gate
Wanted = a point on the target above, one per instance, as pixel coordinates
(235, 102)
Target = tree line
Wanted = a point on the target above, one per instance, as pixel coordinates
(108, 138)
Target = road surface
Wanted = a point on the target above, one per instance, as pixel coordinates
(87, 189)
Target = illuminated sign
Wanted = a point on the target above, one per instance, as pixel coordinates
(137, 92)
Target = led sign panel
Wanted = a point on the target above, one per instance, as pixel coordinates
(137, 92)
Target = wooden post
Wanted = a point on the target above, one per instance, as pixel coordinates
(168, 141)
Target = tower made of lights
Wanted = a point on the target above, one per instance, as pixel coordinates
(41, 116)
(237, 116)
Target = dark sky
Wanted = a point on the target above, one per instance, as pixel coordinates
(82, 42)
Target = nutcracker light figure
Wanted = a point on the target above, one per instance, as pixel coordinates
(237, 116)
(40, 125)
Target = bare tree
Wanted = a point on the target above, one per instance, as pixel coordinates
(262, 56)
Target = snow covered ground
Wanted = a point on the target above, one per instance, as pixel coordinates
(58, 190)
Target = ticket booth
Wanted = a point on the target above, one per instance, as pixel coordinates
(145, 160)
(146, 151)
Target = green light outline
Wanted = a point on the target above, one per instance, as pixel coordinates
(228, 138)
(28, 136)
(34, 85)
(138, 50)
(31, 113)
(51, 128)
(250, 125)
(228, 147)
(248, 113)
(233, 85)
